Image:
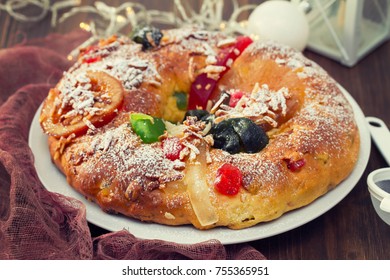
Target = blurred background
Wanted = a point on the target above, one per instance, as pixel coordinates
(348, 38)
(344, 30)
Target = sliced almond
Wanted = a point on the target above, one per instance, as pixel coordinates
(57, 121)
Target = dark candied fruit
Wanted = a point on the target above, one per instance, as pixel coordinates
(208, 119)
(148, 37)
(199, 114)
(226, 139)
(253, 138)
(238, 135)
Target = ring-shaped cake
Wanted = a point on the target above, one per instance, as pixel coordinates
(186, 126)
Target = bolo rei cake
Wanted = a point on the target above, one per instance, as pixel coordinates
(186, 126)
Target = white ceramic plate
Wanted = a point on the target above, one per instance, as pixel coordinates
(55, 181)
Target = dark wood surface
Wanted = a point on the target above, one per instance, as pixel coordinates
(351, 229)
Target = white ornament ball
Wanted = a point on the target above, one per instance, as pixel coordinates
(280, 21)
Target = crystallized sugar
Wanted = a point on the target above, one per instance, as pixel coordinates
(119, 153)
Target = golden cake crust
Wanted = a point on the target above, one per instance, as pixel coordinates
(313, 138)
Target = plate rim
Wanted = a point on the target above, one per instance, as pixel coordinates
(187, 234)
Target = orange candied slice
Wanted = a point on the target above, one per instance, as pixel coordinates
(63, 115)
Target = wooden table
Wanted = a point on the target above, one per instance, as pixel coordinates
(351, 229)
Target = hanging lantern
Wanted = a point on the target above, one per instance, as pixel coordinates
(347, 30)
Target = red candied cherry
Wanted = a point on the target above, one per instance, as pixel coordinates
(203, 86)
(92, 59)
(228, 180)
(295, 165)
(172, 148)
(235, 97)
(88, 51)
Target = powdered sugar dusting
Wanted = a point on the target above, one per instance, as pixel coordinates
(324, 125)
(118, 155)
(287, 56)
(260, 105)
(262, 100)
(116, 59)
(255, 168)
(121, 61)
(198, 42)
(320, 127)
(76, 93)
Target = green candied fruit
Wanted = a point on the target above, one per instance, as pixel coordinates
(148, 128)
(181, 100)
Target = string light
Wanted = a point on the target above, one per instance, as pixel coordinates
(119, 20)
(85, 26)
(131, 13)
